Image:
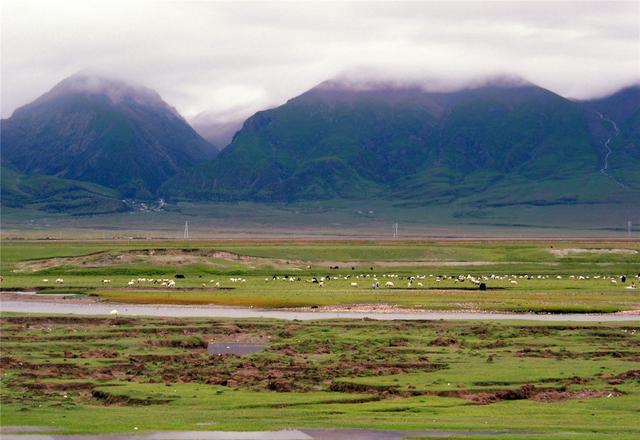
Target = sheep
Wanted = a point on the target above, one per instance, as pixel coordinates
(59, 281)
(106, 281)
(354, 284)
(114, 312)
(389, 284)
(45, 280)
(130, 283)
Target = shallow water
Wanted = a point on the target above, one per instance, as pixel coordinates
(313, 434)
(72, 308)
(239, 349)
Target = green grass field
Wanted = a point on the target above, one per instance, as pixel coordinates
(91, 375)
(531, 380)
(520, 276)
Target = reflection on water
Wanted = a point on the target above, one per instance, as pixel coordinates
(218, 349)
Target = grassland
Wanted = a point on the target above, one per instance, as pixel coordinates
(338, 219)
(520, 276)
(91, 375)
(532, 380)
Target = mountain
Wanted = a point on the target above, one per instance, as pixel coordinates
(620, 113)
(56, 195)
(103, 131)
(500, 142)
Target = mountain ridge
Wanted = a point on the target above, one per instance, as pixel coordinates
(501, 141)
(406, 142)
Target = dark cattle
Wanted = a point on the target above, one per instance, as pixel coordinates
(179, 276)
(483, 286)
(623, 279)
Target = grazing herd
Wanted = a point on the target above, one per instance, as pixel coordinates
(390, 280)
(480, 281)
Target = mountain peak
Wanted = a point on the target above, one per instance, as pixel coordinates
(116, 90)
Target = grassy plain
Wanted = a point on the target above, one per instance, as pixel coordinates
(533, 380)
(90, 375)
(520, 276)
(368, 219)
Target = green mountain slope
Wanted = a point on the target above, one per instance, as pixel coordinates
(500, 143)
(53, 194)
(621, 115)
(102, 131)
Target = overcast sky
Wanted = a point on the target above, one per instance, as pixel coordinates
(224, 61)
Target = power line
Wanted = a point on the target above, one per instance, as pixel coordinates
(186, 230)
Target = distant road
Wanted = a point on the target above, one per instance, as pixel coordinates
(103, 309)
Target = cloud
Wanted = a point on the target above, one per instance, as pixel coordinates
(220, 61)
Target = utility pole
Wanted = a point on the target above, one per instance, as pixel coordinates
(395, 231)
(629, 228)
(186, 230)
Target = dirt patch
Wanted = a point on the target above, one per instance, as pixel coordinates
(60, 386)
(444, 342)
(564, 252)
(530, 392)
(622, 377)
(186, 342)
(117, 400)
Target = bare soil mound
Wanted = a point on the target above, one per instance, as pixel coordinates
(161, 257)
